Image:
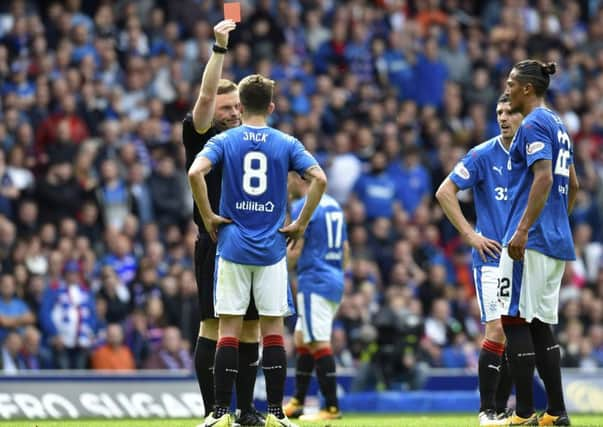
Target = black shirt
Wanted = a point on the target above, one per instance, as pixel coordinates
(193, 144)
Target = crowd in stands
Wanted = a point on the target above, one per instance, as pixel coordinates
(96, 237)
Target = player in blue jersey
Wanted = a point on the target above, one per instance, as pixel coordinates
(251, 255)
(484, 170)
(537, 242)
(217, 109)
(319, 260)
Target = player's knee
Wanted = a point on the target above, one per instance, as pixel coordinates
(270, 325)
(251, 331)
(495, 332)
(230, 326)
(298, 338)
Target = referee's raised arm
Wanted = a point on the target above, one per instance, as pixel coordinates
(203, 111)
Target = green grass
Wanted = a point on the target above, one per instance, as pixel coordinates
(350, 420)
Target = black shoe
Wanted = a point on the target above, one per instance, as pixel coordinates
(250, 418)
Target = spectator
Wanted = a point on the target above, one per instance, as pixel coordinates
(113, 196)
(48, 132)
(68, 319)
(115, 294)
(440, 327)
(376, 190)
(33, 356)
(172, 355)
(141, 193)
(167, 192)
(343, 170)
(14, 312)
(58, 192)
(9, 354)
(89, 224)
(431, 74)
(137, 336)
(113, 355)
(27, 218)
(120, 256)
(412, 180)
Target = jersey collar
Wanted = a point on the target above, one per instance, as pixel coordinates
(499, 140)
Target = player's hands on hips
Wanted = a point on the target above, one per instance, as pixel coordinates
(293, 231)
(517, 244)
(213, 223)
(484, 246)
(221, 31)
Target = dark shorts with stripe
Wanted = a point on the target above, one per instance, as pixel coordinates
(205, 260)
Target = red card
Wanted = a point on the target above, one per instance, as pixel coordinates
(232, 11)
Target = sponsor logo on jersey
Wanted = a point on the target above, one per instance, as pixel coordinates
(534, 147)
(461, 171)
(249, 205)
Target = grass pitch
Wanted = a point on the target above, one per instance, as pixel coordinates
(349, 420)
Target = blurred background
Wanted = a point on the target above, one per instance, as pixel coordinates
(387, 94)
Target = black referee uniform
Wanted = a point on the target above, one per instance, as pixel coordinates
(205, 249)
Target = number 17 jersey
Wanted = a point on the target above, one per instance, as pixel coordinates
(320, 265)
(541, 136)
(255, 163)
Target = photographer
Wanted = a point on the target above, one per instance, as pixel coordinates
(397, 362)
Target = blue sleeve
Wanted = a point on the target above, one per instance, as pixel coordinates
(299, 158)
(538, 144)
(46, 313)
(214, 149)
(466, 172)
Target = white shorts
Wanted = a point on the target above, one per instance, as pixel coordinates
(530, 288)
(315, 316)
(486, 289)
(234, 284)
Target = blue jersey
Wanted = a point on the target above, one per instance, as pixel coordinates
(255, 162)
(484, 169)
(320, 265)
(542, 135)
(377, 193)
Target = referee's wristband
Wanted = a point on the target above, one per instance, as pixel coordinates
(219, 49)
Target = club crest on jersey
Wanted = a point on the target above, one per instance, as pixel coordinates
(534, 147)
(462, 171)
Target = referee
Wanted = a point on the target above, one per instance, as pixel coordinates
(216, 110)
